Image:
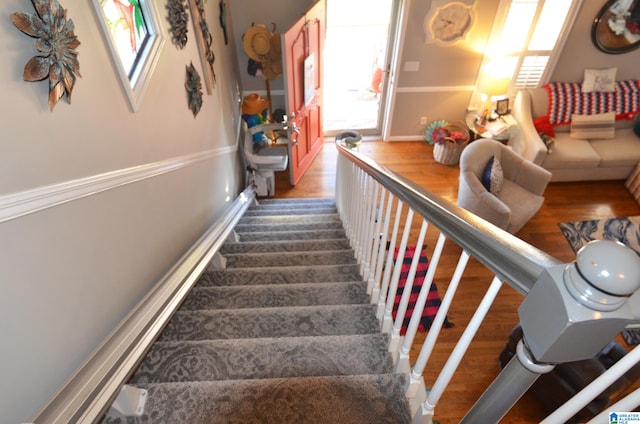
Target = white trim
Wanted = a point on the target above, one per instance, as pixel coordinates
(95, 384)
(402, 19)
(16, 205)
(435, 89)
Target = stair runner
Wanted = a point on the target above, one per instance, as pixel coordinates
(284, 334)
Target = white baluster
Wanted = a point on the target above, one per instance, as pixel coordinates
(375, 255)
(389, 263)
(394, 343)
(387, 320)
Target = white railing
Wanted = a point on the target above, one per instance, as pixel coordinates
(373, 201)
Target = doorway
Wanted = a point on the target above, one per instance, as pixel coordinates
(356, 60)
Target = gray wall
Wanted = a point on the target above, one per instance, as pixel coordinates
(69, 273)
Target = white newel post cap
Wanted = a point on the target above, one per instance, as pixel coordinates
(604, 275)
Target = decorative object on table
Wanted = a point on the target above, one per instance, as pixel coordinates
(135, 38)
(492, 86)
(449, 139)
(57, 44)
(193, 84)
(625, 230)
(502, 107)
(448, 21)
(254, 108)
(205, 43)
(616, 28)
(223, 21)
(178, 20)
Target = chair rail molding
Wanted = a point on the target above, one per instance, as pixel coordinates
(16, 205)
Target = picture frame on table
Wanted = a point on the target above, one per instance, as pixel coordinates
(502, 107)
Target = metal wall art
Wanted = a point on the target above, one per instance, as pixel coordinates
(205, 42)
(193, 85)
(57, 44)
(132, 31)
(179, 20)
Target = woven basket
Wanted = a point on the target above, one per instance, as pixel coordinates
(448, 152)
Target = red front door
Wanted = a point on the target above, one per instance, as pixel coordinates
(302, 45)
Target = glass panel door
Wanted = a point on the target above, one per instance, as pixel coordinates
(355, 63)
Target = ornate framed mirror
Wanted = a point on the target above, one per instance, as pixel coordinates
(616, 28)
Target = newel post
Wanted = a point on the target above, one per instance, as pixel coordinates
(570, 314)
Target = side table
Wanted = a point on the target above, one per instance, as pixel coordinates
(499, 129)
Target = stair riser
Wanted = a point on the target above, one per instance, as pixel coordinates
(310, 400)
(289, 219)
(293, 235)
(311, 226)
(290, 211)
(265, 358)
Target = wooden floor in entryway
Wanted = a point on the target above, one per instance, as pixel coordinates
(563, 202)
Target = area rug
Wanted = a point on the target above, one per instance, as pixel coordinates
(433, 298)
(624, 229)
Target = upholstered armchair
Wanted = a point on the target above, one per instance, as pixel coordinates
(499, 185)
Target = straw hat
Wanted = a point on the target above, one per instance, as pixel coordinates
(253, 104)
(257, 42)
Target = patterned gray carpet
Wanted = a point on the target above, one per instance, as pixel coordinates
(285, 334)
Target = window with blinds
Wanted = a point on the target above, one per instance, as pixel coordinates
(528, 37)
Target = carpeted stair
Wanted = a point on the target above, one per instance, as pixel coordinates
(285, 334)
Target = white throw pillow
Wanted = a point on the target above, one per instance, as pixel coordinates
(600, 125)
(599, 80)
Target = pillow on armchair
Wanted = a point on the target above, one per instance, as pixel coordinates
(493, 176)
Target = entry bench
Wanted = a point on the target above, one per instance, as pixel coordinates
(593, 146)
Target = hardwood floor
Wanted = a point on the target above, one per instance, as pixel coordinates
(564, 202)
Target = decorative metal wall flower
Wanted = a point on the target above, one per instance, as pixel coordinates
(57, 43)
(205, 42)
(193, 84)
(178, 19)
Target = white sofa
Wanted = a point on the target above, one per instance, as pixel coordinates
(572, 159)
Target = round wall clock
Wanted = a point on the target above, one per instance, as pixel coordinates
(448, 22)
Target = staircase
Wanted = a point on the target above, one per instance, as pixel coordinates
(284, 334)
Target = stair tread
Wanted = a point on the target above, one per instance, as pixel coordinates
(284, 246)
(292, 235)
(282, 357)
(284, 334)
(361, 399)
(317, 320)
(275, 295)
(281, 275)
